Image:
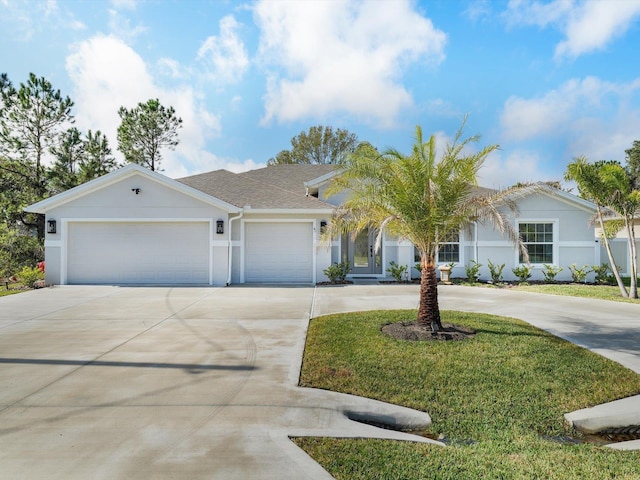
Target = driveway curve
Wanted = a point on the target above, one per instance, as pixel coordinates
(109, 382)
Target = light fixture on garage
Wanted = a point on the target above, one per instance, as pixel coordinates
(136, 190)
(220, 227)
(323, 226)
(51, 226)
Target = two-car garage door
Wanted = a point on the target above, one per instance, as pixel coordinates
(138, 253)
(278, 252)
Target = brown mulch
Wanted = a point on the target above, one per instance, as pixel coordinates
(413, 332)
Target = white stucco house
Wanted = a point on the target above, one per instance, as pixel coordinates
(135, 226)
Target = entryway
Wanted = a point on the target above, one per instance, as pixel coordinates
(362, 254)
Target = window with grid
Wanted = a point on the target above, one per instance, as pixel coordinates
(538, 238)
(448, 251)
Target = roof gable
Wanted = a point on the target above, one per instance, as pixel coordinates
(120, 175)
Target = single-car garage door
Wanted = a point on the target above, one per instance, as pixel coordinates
(138, 253)
(279, 252)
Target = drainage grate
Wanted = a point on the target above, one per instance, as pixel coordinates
(621, 434)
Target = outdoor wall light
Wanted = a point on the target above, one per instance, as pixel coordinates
(136, 190)
(51, 226)
(323, 226)
(220, 227)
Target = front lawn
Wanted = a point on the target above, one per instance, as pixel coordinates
(602, 292)
(497, 400)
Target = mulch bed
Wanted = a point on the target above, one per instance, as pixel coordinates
(413, 332)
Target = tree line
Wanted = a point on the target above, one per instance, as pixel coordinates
(42, 153)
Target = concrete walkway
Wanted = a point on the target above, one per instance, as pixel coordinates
(107, 382)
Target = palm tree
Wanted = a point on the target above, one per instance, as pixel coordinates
(625, 202)
(421, 199)
(597, 182)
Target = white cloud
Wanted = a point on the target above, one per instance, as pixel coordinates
(172, 68)
(22, 19)
(582, 117)
(121, 26)
(225, 55)
(555, 113)
(478, 10)
(595, 24)
(124, 4)
(502, 171)
(588, 25)
(343, 56)
(107, 74)
(533, 12)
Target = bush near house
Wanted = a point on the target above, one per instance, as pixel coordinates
(337, 272)
(398, 272)
(29, 276)
(579, 274)
(472, 270)
(496, 271)
(550, 272)
(523, 272)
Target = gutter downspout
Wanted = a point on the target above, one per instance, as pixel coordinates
(475, 240)
(230, 250)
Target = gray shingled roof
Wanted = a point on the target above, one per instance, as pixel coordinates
(289, 177)
(272, 187)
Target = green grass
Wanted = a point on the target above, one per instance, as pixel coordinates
(13, 289)
(600, 292)
(493, 398)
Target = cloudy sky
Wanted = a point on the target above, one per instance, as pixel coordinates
(546, 80)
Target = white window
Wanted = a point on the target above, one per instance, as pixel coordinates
(538, 239)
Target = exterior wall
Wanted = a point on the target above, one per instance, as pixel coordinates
(117, 202)
(620, 249)
(573, 238)
(337, 199)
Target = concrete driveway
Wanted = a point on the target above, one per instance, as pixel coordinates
(139, 383)
(190, 383)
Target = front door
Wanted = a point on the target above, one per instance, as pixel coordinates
(362, 254)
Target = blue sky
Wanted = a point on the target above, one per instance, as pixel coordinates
(546, 80)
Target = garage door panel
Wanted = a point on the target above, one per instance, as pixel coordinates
(279, 252)
(138, 253)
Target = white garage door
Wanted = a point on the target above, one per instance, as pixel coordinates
(279, 252)
(138, 253)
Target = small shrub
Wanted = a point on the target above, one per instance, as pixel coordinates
(495, 271)
(28, 276)
(603, 275)
(337, 272)
(418, 266)
(472, 270)
(398, 272)
(579, 275)
(523, 272)
(550, 272)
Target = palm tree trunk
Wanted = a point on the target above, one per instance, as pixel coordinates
(612, 262)
(428, 311)
(631, 234)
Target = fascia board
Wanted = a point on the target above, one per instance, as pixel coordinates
(292, 211)
(320, 180)
(570, 198)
